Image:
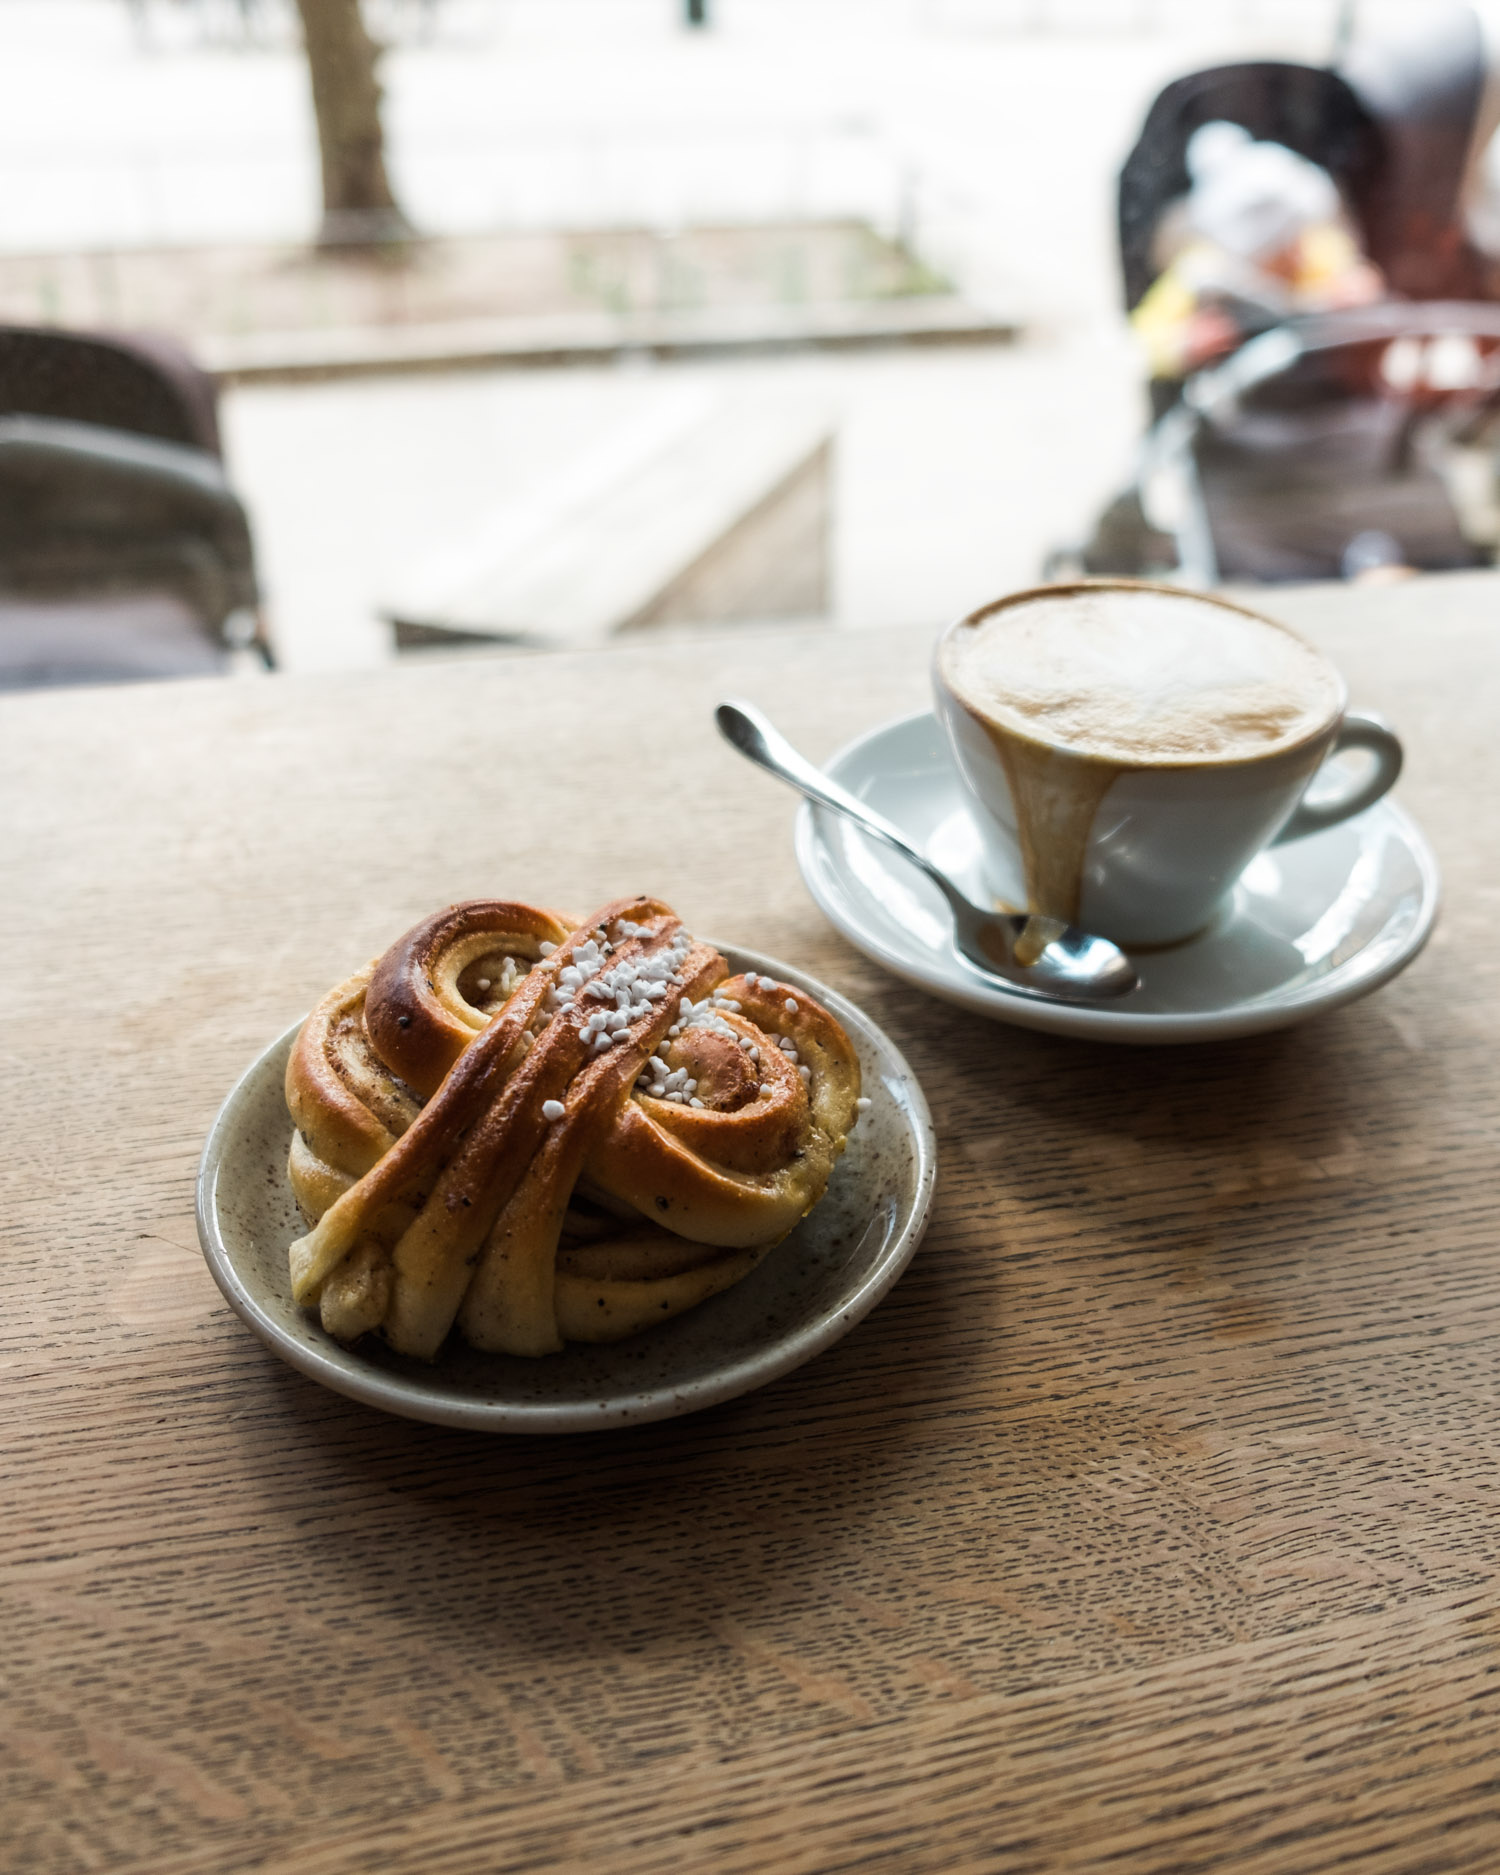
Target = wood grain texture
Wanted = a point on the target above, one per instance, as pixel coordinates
(1149, 1524)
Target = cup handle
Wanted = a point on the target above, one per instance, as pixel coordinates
(1357, 731)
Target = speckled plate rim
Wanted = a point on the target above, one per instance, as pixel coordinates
(781, 1352)
(1279, 1009)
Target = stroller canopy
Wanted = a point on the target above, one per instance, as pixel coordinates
(1400, 125)
(1314, 113)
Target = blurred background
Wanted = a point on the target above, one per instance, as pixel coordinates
(644, 313)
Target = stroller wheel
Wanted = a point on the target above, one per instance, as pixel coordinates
(1124, 544)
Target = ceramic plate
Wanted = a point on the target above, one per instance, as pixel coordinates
(808, 1292)
(1311, 924)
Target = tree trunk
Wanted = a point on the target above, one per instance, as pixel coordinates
(359, 209)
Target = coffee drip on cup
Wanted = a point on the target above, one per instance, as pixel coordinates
(1135, 745)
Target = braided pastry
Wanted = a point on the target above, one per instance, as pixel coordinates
(545, 1132)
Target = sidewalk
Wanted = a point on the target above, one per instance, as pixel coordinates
(954, 471)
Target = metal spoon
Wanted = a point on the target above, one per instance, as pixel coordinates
(1043, 955)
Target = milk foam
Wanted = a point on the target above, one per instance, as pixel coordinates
(1142, 678)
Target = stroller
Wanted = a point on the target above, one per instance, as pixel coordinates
(124, 551)
(1329, 444)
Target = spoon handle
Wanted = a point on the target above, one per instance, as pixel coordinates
(754, 736)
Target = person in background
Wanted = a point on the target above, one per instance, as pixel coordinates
(1260, 235)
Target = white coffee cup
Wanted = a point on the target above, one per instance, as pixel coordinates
(1130, 748)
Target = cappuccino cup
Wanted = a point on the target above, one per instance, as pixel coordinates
(1130, 748)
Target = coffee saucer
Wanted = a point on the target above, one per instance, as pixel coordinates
(811, 1290)
(1310, 925)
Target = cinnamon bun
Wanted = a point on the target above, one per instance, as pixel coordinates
(537, 1131)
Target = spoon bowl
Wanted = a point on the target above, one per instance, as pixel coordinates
(1042, 955)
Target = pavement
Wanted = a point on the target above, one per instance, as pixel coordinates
(953, 472)
(985, 134)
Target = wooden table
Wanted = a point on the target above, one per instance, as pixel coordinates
(1149, 1524)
